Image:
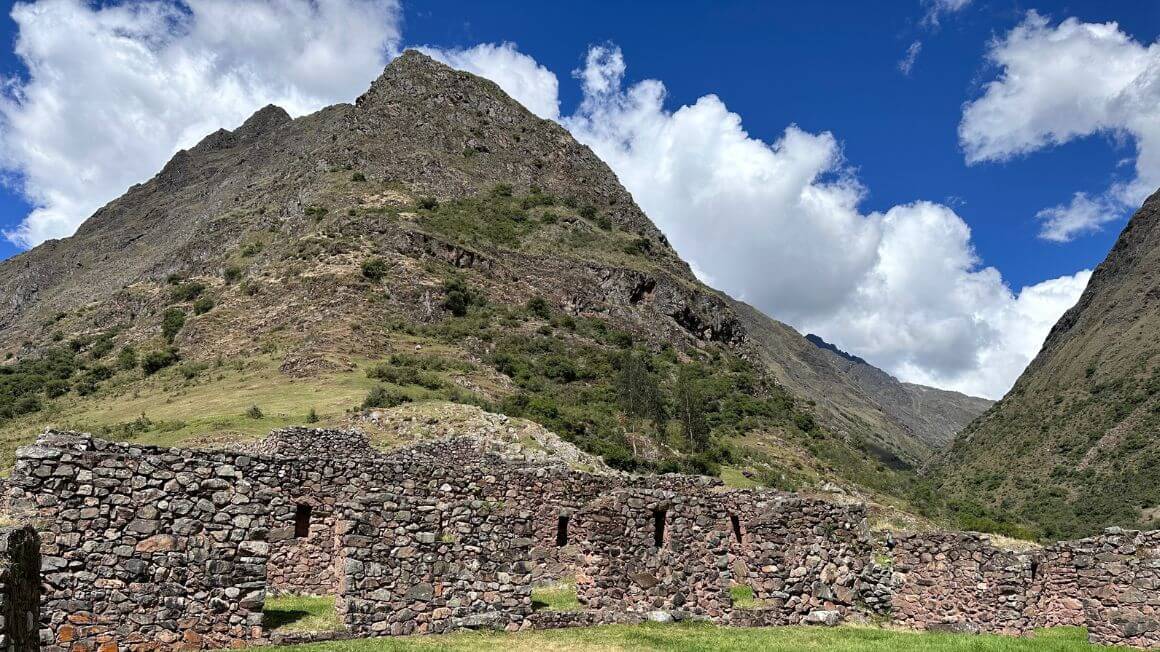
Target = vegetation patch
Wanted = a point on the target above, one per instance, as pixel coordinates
(301, 613)
(556, 597)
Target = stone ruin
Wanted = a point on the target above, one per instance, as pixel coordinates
(142, 548)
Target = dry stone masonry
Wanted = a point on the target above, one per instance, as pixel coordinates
(144, 548)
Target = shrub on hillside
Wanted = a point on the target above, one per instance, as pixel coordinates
(171, 322)
(540, 307)
(127, 358)
(382, 397)
(374, 268)
(458, 297)
(155, 361)
(188, 291)
(202, 305)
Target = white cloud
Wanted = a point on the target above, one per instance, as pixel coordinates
(911, 56)
(778, 224)
(113, 91)
(936, 9)
(519, 75)
(1057, 83)
(1081, 215)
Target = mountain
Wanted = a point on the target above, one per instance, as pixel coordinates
(1073, 446)
(932, 415)
(434, 241)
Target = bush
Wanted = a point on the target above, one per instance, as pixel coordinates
(254, 412)
(127, 358)
(202, 305)
(502, 190)
(232, 274)
(252, 249)
(171, 323)
(428, 203)
(358, 177)
(588, 211)
(188, 291)
(155, 361)
(804, 421)
(638, 246)
(55, 388)
(312, 416)
(382, 397)
(374, 268)
(539, 307)
(191, 370)
(604, 222)
(404, 376)
(458, 297)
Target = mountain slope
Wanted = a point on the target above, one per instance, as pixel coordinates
(434, 240)
(1073, 446)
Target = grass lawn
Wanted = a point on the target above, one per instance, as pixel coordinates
(301, 613)
(708, 638)
(558, 597)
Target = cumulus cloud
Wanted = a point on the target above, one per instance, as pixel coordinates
(112, 91)
(1060, 82)
(778, 224)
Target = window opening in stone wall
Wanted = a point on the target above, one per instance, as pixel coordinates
(658, 527)
(736, 523)
(1034, 568)
(302, 521)
(562, 531)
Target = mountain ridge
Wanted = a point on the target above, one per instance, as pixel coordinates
(455, 190)
(1069, 448)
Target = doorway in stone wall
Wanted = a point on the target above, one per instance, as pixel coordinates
(303, 571)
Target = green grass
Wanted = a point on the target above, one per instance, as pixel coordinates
(558, 597)
(742, 596)
(734, 478)
(301, 613)
(709, 638)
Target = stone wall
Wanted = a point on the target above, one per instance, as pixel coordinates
(798, 555)
(655, 550)
(161, 549)
(1118, 577)
(143, 547)
(955, 581)
(414, 564)
(19, 589)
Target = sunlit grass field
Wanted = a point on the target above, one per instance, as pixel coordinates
(316, 613)
(709, 638)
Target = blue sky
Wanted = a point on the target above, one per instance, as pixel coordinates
(828, 68)
(834, 68)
